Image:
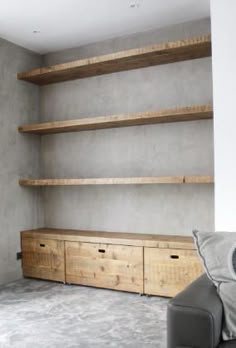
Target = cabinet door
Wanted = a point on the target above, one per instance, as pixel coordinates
(43, 259)
(117, 267)
(168, 271)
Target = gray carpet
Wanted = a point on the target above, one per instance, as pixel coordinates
(36, 313)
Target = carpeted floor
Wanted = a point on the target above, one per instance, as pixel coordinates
(36, 313)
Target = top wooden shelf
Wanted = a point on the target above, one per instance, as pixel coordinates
(170, 52)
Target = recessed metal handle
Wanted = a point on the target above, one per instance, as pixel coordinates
(101, 251)
(42, 245)
(174, 256)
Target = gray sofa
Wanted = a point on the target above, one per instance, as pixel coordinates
(194, 318)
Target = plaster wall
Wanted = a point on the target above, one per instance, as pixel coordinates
(170, 149)
(20, 208)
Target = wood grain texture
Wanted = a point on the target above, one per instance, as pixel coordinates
(43, 258)
(120, 238)
(189, 113)
(169, 271)
(164, 53)
(116, 267)
(199, 179)
(202, 179)
(152, 264)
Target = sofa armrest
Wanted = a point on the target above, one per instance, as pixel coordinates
(194, 317)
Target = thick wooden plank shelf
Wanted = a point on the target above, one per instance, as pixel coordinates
(190, 113)
(102, 181)
(197, 179)
(164, 53)
(121, 238)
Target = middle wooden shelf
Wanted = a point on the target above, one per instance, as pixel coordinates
(189, 113)
(190, 179)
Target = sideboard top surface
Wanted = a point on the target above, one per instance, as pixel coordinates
(134, 239)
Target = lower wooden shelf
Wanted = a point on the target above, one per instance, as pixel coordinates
(196, 179)
(143, 263)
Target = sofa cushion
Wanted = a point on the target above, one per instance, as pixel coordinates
(218, 253)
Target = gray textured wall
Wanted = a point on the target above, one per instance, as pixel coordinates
(169, 149)
(19, 155)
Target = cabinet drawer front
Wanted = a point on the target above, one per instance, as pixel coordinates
(117, 267)
(43, 258)
(168, 271)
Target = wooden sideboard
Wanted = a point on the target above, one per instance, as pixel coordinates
(147, 264)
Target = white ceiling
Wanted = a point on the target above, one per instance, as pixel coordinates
(70, 23)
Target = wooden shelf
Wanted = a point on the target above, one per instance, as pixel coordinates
(164, 53)
(190, 113)
(119, 181)
(198, 179)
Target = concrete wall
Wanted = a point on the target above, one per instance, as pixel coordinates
(19, 156)
(169, 149)
(224, 74)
